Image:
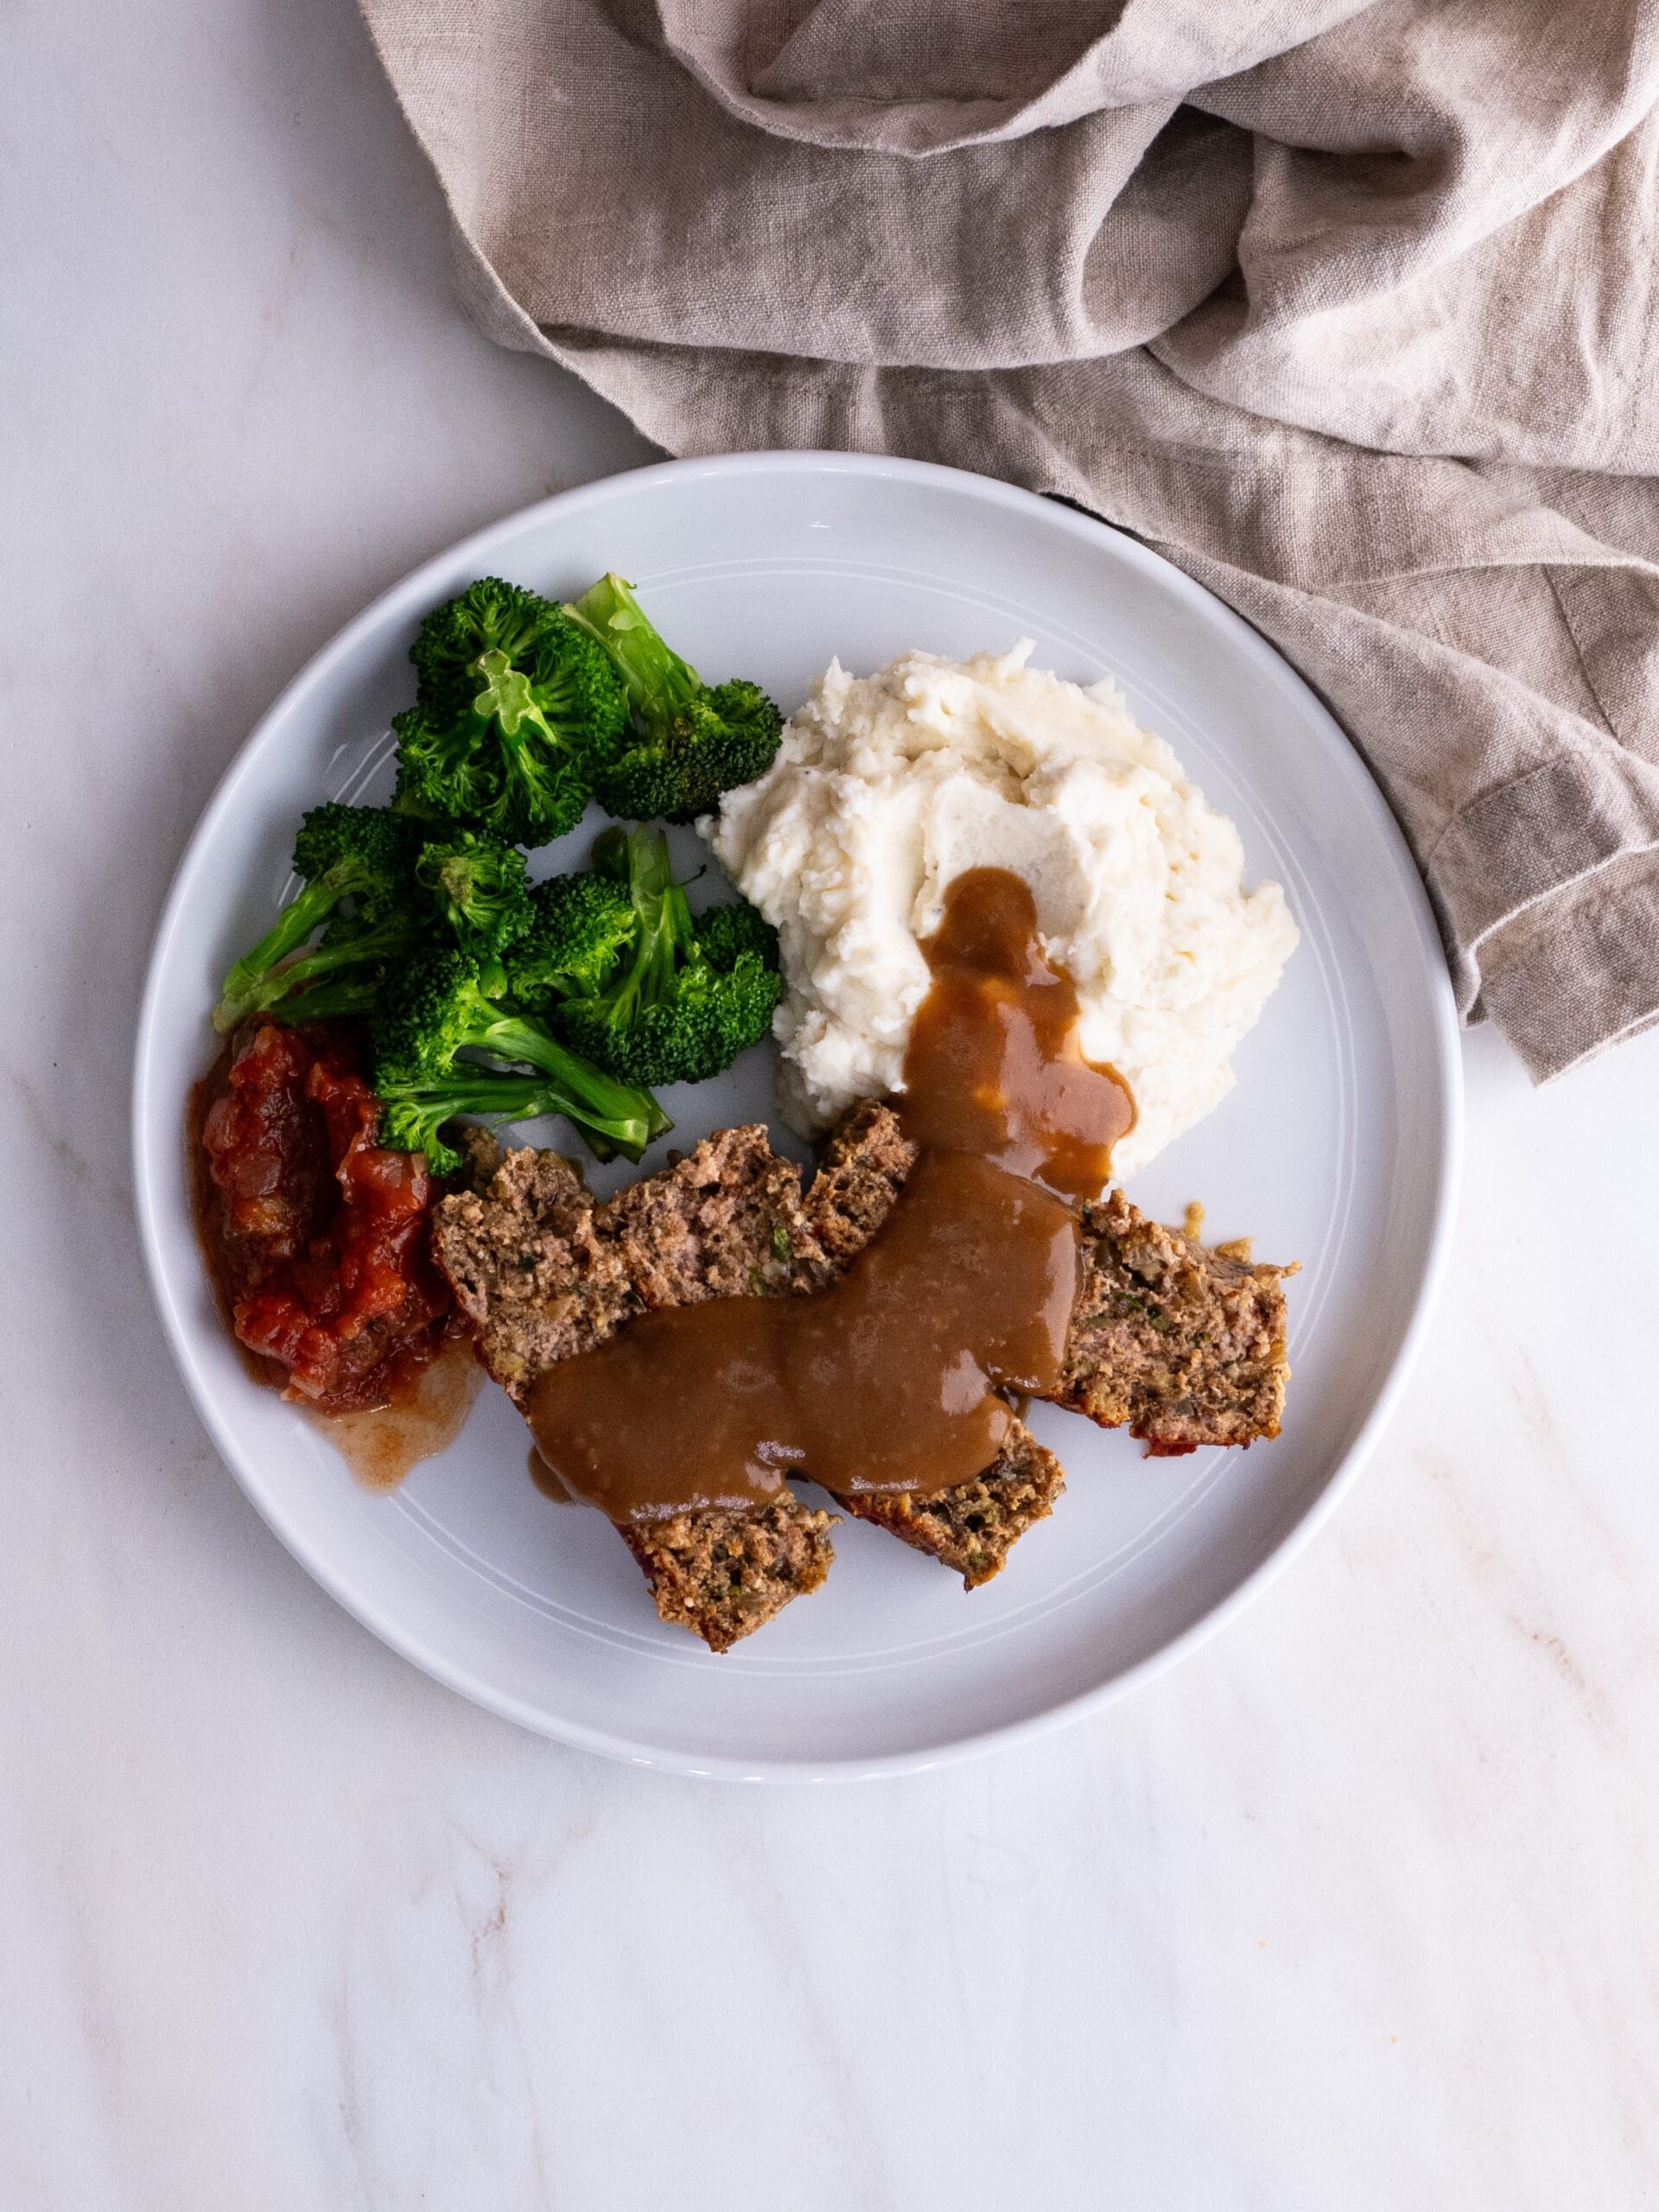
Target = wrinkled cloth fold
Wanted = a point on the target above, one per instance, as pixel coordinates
(1347, 307)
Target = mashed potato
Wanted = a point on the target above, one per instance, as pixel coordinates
(886, 786)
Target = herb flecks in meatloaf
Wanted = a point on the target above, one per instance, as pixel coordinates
(543, 1273)
(1184, 1344)
(723, 1574)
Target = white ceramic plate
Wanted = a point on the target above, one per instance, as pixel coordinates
(1338, 1146)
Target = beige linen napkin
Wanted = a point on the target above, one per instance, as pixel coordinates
(1346, 306)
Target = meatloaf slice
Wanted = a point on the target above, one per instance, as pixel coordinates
(730, 1220)
(1184, 1344)
(973, 1527)
(525, 1254)
(727, 1222)
(543, 1273)
(723, 1575)
(861, 1171)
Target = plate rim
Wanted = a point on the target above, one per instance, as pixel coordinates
(1447, 1105)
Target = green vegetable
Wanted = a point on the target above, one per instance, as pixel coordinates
(689, 995)
(686, 742)
(726, 933)
(379, 885)
(342, 975)
(515, 712)
(438, 1004)
(477, 887)
(359, 854)
(580, 927)
(413, 1118)
(349, 994)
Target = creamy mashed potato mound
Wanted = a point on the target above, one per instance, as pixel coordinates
(886, 786)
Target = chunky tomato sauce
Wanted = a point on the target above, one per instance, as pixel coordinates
(317, 1239)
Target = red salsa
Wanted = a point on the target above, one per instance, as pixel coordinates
(318, 1240)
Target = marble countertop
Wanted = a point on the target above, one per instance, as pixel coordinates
(1355, 1907)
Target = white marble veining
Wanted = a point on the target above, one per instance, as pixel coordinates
(1355, 1909)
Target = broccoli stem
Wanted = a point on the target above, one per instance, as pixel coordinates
(382, 943)
(507, 698)
(597, 1100)
(240, 996)
(656, 680)
(352, 993)
(502, 1098)
(651, 885)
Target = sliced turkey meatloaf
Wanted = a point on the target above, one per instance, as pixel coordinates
(543, 1273)
(1184, 1344)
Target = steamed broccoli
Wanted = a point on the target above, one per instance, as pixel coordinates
(726, 933)
(516, 711)
(686, 742)
(412, 1120)
(439, 1004)
(691, 995)
(478, 885)
(351, 993)
(381, 884)
(581, 926)
(359, 853)
(343, 972)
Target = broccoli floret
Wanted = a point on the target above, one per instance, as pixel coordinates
(380, 883)
(439, 1004)
(478, 885)
(580, 927)
(516, 711)
(490, 616)
(726, 933)
(355, 853)
(675, 1012)
(686, 743)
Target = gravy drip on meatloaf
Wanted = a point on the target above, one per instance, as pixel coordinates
(542, 1272)
(886, 1381)
(889, 1381)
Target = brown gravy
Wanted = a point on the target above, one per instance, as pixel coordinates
(897, 1377)
(547, 1482)
(993, 1066)
(886, 1381)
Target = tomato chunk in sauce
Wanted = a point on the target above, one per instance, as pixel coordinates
(318, 1240)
